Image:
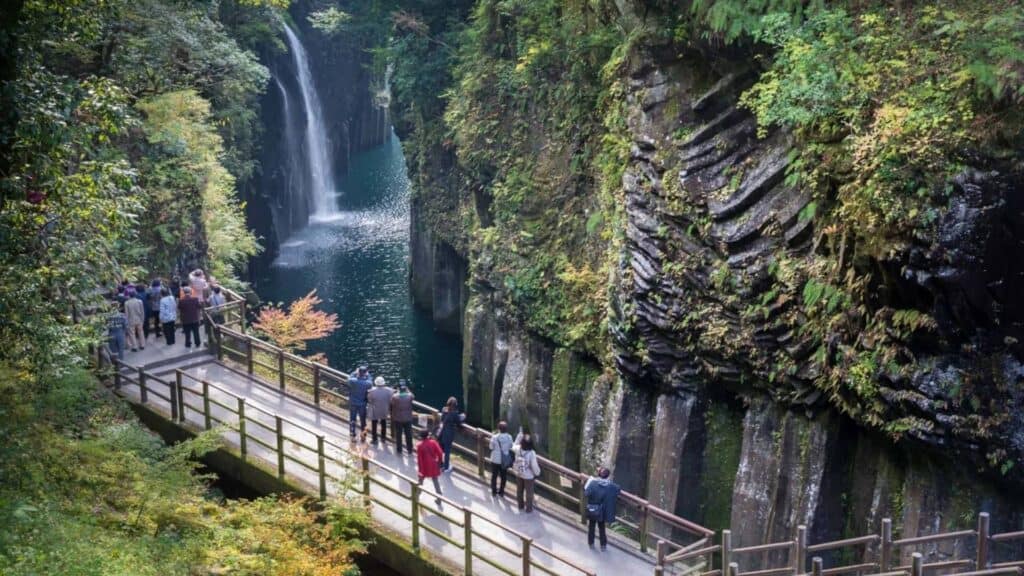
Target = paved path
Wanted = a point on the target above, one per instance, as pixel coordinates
(551, 531)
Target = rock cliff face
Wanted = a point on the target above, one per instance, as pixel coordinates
(690, 406)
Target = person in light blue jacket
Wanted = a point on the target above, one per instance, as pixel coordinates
(168, 315)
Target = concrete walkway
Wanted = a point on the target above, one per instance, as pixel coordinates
(549, 530)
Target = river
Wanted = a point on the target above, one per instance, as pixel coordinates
(358, 261)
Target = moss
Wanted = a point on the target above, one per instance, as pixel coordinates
(721, 461)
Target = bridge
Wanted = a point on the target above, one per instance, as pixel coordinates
(289, 416)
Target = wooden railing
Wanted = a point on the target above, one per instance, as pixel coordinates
(328, 466)
(879, 555)
(327, 389)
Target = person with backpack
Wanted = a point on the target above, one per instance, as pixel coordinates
(117, 324)
(451, 421)
(402, 416)
(217, 300)
(359, 385)
(527, 469)
(428, 461)
(501, 458)
(602, 495)
(379, 400)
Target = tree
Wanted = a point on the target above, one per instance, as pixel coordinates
(301, 322)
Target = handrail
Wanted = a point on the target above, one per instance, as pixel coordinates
(413, 499)
(482, 438)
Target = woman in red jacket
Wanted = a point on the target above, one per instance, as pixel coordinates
(428, 460)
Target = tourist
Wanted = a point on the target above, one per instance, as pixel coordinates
(451, 420)
(428, 461)
(117, 322)
(175, 287)
(358, 387)
(197, 281)
(191, 311)
(601, 494)
(168, 315)
(153, 310)
(216, 301)
(135, 311)
(527, 469)
(401, 416)
(501, 458)
(379, 402)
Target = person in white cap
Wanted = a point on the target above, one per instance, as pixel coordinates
(380, 407)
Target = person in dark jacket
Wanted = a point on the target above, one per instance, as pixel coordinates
(153, 307)
(401, 416)
(191, 311)
(359, 385)
(602, 494)
(451, 420)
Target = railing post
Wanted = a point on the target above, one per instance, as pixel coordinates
(316, 384)
(179, 378)
(366, 478)
(816, 565)
(734, 569)
(642, 526)
(799, 550)
(173, 395)
(885, 547)
(527, 543)
(143, 394)
(583, 497)
(206, 405)
(916, 564)
(726, 548)
(280, 368)
(242, 444)
(983, 535)
(467, 525)
(241, 316)
(415, 514)
(661, 552)
(279, 430)
(117, 374)
(248, 355)
(321, 466)
(480, 453)
(219, 335)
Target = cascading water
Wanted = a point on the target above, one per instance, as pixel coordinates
(293, 212)
(321, 174)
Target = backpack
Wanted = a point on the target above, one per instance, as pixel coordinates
(508, 459)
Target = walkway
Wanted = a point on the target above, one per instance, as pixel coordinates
(303, 422)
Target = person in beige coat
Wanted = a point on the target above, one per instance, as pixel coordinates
(135, 310)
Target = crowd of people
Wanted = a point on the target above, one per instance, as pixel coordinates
(372, 399)
(158, 308)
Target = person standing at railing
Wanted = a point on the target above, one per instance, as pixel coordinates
(451, 421)
(191, 314)
(135, 311)
(359, 385)
(379, 400)
(602, 494)
(527, 469)
(168, 315)
(197, 281)
(501, 458)
(117, 323)
(428, 461)
(153, 306)
(217, 300)
(401, 416)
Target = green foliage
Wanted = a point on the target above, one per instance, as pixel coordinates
(85, 490)
(330, 20)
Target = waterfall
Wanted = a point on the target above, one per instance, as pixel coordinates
(292, 209)
(318, 162)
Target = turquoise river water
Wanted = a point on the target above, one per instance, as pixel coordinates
(358, 261)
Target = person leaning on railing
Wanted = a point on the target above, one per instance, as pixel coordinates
(216, 301)
(359, 385)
